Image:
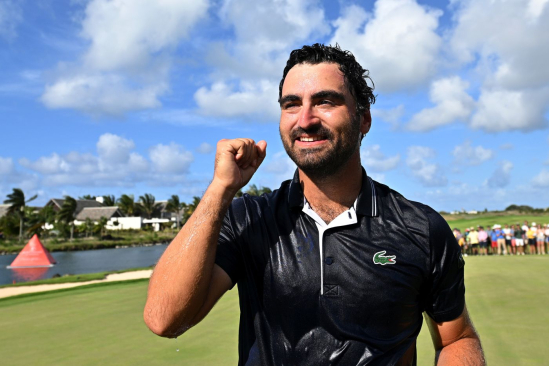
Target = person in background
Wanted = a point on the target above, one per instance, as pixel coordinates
(540, 236)
(547, 237)
(531, 236)
(508, 234)
(500, 241)
(492, 241)
(473, 241)
(482, 241)
(519, 239)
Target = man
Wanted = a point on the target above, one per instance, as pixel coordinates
(482, 240)
(473, 240)
(332, 268)
(508, 234)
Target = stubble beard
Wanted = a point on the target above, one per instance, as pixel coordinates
(321, 163)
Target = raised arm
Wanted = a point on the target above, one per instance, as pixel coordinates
(456, 342)
(186, 283)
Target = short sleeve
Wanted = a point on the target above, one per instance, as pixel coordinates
(228, 255)
(446, 295)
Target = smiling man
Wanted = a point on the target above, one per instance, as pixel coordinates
(331, 268)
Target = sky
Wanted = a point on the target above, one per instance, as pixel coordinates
(111, 97)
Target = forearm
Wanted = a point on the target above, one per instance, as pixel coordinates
(180, 282)
(465, 351)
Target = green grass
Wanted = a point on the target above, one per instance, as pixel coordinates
(73, 278)
(489, 220)
(507, 297)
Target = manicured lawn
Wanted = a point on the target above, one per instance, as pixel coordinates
(490, 220)
(508, 298)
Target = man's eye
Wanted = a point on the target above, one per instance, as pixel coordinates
(289, 105)
(326, 102)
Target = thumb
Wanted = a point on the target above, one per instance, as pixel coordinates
(261, 149)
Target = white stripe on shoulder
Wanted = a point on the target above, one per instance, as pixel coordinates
(374, 202)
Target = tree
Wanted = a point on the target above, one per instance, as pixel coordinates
(190, 208)
(254, 191)
(87, 197)
(174, 205)
(37, 220)
(17, 203)
(127, 205)
(67, 213)
(147, 205)
(109, 200)
(101, 224)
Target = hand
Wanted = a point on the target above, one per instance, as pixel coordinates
(236, 161)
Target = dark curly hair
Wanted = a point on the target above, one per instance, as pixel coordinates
(355, 76)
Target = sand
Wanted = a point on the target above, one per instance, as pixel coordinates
(12, 291)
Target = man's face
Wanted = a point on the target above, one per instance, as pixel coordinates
(319, 126)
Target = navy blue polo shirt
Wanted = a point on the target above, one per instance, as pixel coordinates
(348, 293)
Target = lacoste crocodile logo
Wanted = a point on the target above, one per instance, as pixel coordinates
(381, 258)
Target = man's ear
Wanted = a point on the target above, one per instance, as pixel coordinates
(365, 122)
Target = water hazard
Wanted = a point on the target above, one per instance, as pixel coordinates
(85, 261)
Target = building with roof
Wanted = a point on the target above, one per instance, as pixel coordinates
(4, 209)
(57, 203)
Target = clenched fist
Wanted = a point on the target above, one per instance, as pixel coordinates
(236, 161)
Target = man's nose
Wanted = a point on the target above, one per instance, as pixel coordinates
(307, 117)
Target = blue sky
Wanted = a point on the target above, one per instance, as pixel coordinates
(110, 97)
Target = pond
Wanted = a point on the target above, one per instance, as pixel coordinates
(85, 261)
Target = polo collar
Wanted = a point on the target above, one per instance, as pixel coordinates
(366, 203)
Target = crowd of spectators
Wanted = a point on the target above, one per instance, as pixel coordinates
(509, 240)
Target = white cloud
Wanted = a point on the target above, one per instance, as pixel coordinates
(6, 165)
(471, 155)
(170, 158)
(254, 99)
(127, 64)
(265, 33)
(542, 179)
(46, 164)
(451, 101)
(429, 174)
(512, 41)
(114, 149)
(280, 166)
(503, 110)
(508, 146)
(501, 177)
(248, 70)
(114, 165)
(204, 148)
(10, 17)
(373, 159)
(398, 43)
(392, 116)
(509, 52)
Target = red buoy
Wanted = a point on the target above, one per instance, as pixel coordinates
(33, 255)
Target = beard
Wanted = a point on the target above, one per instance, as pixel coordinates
(322, 162)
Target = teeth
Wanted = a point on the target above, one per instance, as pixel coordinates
(309, 139)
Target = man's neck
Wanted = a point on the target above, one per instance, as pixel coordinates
(332, 195)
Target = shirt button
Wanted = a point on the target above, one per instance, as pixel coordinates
(329, 260)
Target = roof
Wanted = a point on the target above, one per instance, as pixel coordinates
(96, 213)
(80, 204)
(4, 209)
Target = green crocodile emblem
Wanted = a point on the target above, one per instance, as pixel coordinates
(381, 258)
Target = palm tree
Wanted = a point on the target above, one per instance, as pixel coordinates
(17, 201)
(109, 200)
(67, 213)
(127, 205)
(190, 208)
(87, 197)
(147, 205)
(102, 223)
(174, 205)
(254, 191)
(37, 220)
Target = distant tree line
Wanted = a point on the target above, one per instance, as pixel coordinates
(526, 209)
(23, 221)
